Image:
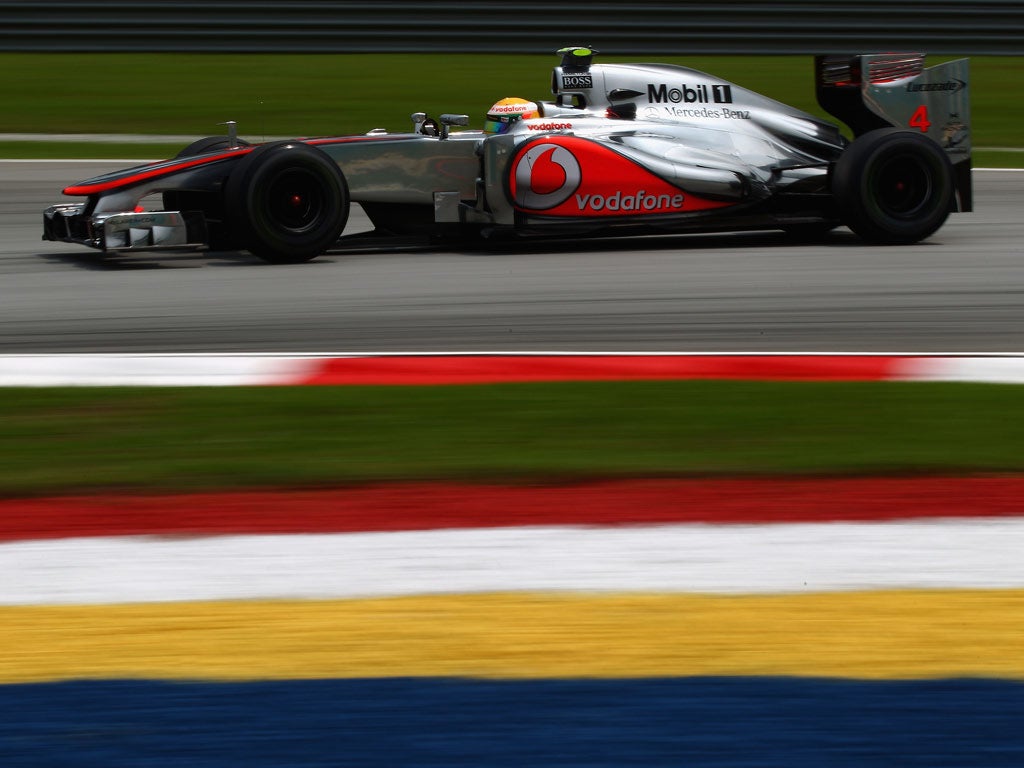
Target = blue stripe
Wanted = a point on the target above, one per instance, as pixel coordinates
(785, 722)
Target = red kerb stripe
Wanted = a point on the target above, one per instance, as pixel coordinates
(484, 369)
(424, 506)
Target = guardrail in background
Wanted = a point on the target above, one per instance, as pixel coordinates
(994, 27)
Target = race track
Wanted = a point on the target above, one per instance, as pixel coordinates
(961, 291)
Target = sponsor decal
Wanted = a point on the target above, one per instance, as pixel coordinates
(951, 86)
(954, 133)
(639, 201)
(721, 113)
(567, 176)
(513, 109)
(685, 94)
(548, 126)
(545, 176)
(577, 81)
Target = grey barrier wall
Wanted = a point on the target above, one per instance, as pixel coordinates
(624, 28)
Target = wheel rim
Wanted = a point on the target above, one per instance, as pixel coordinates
(903, 186)
(295, 200)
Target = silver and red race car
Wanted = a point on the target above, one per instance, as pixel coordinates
(621, 149)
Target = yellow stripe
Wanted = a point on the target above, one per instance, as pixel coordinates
(896, 635)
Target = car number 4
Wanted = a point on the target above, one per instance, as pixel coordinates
(920, 119)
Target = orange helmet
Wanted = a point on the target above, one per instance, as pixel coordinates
(504, 113)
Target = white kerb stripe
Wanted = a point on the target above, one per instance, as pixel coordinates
(798, 558)
(151, 370)
(991, 370)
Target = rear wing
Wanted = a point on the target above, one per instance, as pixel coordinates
(896, 89)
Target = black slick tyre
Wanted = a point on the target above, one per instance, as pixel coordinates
(893, 186)
(209, 203)
(287, 202)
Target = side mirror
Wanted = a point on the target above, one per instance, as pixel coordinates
(450, 120)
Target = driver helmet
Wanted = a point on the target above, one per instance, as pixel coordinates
(506, 112)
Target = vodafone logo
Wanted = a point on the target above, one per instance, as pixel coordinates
(546, 175)
(549, 126)
(513, 109)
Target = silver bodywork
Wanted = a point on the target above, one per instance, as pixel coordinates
(753, 161)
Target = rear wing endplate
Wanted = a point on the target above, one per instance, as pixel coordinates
(895, 89)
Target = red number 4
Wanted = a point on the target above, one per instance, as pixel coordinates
(920, 119)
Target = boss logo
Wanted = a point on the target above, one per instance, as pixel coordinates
(577, 81)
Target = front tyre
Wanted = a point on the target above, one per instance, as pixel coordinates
(209, 202)
(287, 202)
(210, 144)
(893, 186)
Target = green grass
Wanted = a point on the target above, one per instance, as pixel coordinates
(54, 440)
(59, 150)
(307, 95)
(988, 159)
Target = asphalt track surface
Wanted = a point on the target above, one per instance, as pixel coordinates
(962, 291)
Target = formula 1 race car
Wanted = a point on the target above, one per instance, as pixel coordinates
(622, 149)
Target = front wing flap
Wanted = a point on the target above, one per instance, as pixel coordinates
(128, 231)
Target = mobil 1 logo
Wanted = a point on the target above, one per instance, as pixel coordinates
(685, 94)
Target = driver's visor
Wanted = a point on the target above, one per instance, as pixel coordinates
(500, 123)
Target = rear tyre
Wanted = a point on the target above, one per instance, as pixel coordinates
(287, 202)
(893, 186)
